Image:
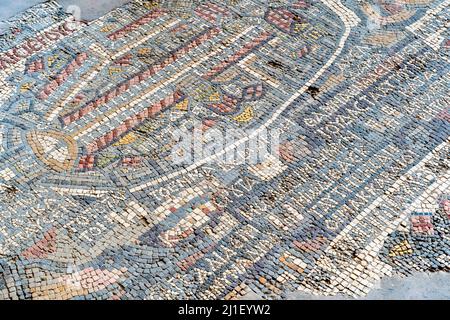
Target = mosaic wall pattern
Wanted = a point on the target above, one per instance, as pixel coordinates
(93, 207)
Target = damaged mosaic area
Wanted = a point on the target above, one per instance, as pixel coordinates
(93, 207)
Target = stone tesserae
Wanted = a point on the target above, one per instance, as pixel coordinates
(342, 106)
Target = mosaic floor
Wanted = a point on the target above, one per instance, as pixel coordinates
(94, 204)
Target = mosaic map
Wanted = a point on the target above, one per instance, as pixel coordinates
(115, 183)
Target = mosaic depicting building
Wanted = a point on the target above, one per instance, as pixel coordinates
(93, 205)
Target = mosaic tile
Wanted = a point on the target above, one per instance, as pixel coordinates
(208, 149)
